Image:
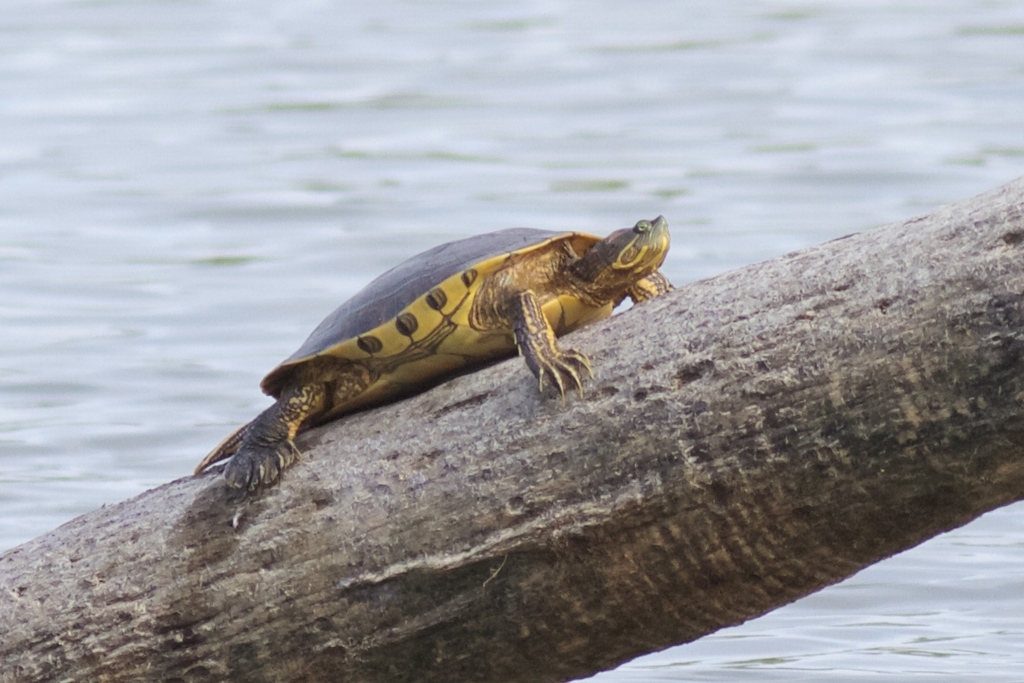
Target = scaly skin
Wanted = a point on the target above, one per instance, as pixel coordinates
(536, 341)
(268, 446)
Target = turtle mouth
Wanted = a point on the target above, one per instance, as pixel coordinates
(647, 246)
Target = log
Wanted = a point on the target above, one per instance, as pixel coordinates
(747, 440)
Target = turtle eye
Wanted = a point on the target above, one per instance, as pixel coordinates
(642, 227)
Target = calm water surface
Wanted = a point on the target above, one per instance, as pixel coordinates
(187, 187)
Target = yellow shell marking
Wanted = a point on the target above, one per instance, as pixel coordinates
(432, 337)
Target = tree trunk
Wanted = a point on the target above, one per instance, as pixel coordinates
(747, 440)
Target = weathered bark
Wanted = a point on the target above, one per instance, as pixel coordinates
(747, 440)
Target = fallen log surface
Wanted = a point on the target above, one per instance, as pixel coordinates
(748, 440)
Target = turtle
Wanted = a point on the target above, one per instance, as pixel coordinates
(448, 310)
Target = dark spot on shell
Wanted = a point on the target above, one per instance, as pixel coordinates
(437, 299)
(369, 344)
(469, 277)
(640, 395)
(883, 305)
(406, 324)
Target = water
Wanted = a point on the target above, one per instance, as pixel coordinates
(187, 187)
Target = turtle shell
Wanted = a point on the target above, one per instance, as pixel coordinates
(429, 294)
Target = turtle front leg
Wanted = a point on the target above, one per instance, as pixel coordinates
(536, 341)
(649, 287)
(268, 445)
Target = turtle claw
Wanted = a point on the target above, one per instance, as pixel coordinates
(536, 341)
(248, 470)
(565, 370)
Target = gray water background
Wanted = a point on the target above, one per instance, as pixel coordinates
(188, 186)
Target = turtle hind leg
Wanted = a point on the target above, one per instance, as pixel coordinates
(224, 450)
(536, 341)
(268, 445)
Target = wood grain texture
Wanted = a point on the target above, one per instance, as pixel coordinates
(747, 440)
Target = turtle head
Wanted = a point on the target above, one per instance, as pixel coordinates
(623, 258)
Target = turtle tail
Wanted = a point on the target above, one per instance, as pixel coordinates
(225, 449)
